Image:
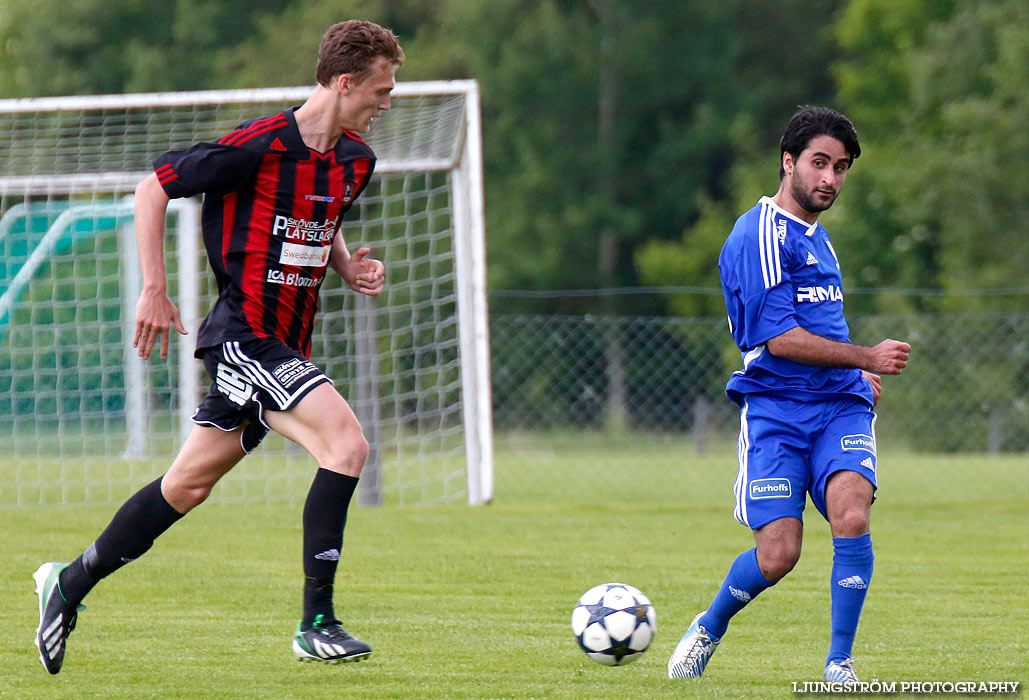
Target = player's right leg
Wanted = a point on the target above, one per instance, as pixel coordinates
(205, 457)
(775, 554)
(770, 495)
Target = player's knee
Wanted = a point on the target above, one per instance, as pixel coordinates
(779, 560)
(348, 453)
(184, 496)
(852, 522)
(358, 448)
(778, 568)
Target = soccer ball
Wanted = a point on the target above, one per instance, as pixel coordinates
(614, 623)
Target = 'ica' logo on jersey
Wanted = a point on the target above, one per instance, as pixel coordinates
(291, 279)
(780, 231)
(830, 293)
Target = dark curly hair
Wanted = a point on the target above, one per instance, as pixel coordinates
(352, 47)
(810, 122)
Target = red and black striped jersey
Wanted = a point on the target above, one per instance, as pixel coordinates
(271, 209)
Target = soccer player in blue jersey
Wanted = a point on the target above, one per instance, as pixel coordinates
(806, 394)
(275, 191)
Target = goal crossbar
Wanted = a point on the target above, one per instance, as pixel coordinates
(74, 103)
(65, 183)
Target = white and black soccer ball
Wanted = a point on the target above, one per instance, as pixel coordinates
(614, 623)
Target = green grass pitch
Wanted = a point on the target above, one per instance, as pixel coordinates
(475, 602)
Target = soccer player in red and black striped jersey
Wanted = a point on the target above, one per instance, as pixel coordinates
(275, 191)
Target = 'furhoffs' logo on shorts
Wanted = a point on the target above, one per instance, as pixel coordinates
(858, 442)
(770, 488)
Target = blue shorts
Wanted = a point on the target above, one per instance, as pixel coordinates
(249, 378)
(788, 449)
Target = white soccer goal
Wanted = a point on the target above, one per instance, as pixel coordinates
(83, 420)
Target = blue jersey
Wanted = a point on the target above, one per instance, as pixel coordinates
(779, 272)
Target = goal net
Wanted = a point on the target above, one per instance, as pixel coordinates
(84, 421)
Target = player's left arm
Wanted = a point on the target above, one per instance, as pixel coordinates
(800, 345)
(361, 273)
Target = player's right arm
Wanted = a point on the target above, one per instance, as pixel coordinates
(799, 345)
(155, 312)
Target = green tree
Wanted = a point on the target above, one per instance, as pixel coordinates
(284, 47)
(608, 123)
(937, 199)
(51, 47)
(777, 58)
(942, 199)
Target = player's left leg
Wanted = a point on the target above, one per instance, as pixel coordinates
(843, 491)
(848, 506)
(323, 423)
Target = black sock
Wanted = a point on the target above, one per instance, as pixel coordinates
(325, 516)
(131, 532)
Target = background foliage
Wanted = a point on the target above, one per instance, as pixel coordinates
(623, 137)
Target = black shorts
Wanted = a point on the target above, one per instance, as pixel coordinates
(251, 377)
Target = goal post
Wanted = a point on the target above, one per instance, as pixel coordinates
(85, 421)
(470, 253)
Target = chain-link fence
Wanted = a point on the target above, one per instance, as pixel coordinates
(636, 390)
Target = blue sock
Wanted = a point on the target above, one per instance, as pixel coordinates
(743, 582)
(851, 574)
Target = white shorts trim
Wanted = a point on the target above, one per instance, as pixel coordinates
(742, 478)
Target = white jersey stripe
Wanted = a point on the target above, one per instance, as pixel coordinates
(832, 250)
(752, 355)
(771, 267)
(762, 246)
(770, 244)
